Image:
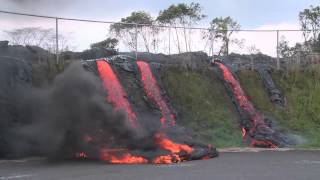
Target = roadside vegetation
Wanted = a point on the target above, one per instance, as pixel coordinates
(301, 88)
(203, 105)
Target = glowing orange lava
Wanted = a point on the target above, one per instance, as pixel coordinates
(256, 118)
(121, 156)
(153, 92)
(243, 132)
(81, 155)
(116, 94)
(167, 159)
(165, 143)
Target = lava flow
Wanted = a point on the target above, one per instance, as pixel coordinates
(116, 95)
(121, 156)
(131, 149)
(154, 94)
(164, 143)
(257, 123)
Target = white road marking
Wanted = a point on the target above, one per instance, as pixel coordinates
(22, 160)
(175, 165)
(307, 162)
(16, 176)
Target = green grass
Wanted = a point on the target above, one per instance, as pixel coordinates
(302, 91)
(204, 105)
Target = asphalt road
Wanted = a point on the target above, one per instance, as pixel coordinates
(269, 165)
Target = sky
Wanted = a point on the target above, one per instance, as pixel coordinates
(250, 14)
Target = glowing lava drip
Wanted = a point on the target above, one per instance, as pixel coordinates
(258, 126)
(176, 150)
(154, 94)
(117, 97)
(116, 94)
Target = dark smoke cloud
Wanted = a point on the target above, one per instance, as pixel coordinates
(54, 121)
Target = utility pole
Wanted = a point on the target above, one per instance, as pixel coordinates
(169, 40)
(57, 40)
(278, 54)
(136, 41)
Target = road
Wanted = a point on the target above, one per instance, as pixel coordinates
(267, 165)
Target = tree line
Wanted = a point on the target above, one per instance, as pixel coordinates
(180, 17)
(309, 20)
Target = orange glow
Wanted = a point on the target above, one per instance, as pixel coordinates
(167, 159)
(257, 143)
(116, 94)
(81, 155)
(169, 145)
(256, 117)
(244, 132)
(205, 158)
(153, 92)
(121, 156)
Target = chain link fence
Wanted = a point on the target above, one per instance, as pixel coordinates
(67, 34)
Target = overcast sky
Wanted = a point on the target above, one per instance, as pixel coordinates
(251, 14)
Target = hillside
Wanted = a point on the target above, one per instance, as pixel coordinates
(199, 97)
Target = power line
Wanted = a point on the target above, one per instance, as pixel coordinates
(151, 25)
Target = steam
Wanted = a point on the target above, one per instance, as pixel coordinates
(54, 121)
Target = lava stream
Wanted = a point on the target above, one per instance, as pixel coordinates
(116, 95)
(165, 150)
(153, 92)
(256, 118)
(121, 156)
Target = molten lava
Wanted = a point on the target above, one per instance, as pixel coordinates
(256, 118)
(116, 95)
(81, 155)
(176, 149)
(164, 149)
(154, 94)
(121, 156)
(169, 145)
(167, 159)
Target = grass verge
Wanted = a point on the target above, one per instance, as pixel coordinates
(203, 105)
(302, 91)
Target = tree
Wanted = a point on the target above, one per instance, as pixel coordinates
(310, 24)
(284, 48)
(128, 31)
(221, 29)
(37, 36)
(181, 14)
(109, 43)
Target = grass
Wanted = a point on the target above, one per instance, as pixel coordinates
(302, 91)
(204, 106)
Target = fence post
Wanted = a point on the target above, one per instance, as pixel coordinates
(136, 41)
(57, 40)
(169, 40)
(278, 54)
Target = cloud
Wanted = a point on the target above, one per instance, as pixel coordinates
(85, 33)
(266, 42)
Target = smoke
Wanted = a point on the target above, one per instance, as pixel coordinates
(55, 121)
(38, 5)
